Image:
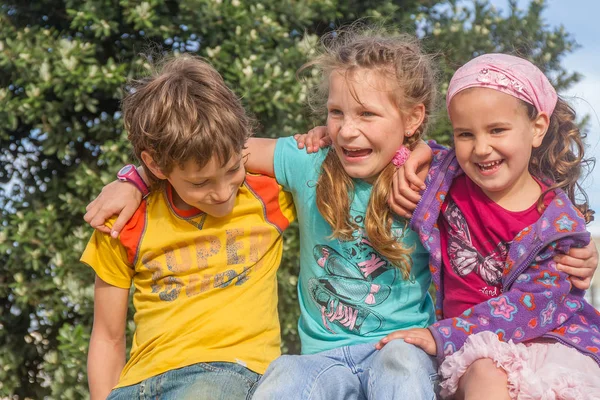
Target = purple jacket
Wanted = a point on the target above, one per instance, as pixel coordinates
(537, 299)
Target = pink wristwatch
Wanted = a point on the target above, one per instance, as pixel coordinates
(130, 174)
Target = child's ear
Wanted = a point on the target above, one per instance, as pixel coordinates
(540, 126)
(152, 165)
(415, 118)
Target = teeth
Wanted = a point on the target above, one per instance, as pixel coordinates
(490, 164)
(356, 152)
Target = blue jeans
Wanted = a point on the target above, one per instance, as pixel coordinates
(398, 371)
(202, 381)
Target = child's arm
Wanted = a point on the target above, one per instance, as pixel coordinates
(260, 153)
(106, 356)
(116, 198)
(409, 180)
(122, 198)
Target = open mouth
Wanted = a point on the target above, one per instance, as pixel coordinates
(489, 166)
(356, 153)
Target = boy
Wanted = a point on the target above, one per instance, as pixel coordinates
(202, 250)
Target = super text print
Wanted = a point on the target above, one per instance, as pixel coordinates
(208, 262)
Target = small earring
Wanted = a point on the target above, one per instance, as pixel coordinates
(408, 134)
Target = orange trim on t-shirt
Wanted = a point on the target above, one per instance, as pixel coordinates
(132, 233)
(267, 190)
(192, 212)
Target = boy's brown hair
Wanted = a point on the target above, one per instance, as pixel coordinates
(184, 111)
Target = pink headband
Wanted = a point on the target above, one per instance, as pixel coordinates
(508, 74)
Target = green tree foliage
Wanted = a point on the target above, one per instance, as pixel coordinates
(64, 65)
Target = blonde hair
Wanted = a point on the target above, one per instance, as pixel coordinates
(560, 157)
(397, 57)
(184, 111)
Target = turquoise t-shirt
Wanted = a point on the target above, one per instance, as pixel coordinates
(348, 293)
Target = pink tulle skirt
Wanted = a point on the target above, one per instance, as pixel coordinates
(544, 371)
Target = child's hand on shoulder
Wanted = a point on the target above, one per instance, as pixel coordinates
(117, 198)
(409, 181)
(420, 337)
(315, 139)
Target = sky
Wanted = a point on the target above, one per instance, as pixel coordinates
(580, 19)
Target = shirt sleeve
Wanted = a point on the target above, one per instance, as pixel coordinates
(295, 167)
(436, 147)
(108, 258)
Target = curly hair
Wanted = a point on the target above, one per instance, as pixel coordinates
(398, 58)
(560, 157)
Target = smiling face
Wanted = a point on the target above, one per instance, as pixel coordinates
(494, 138)
(212, 188)
(364, 122)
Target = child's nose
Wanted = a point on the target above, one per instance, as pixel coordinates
(348, 129)
(222, 193)
(482, 146)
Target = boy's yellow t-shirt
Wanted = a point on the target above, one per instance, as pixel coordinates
(205, 288)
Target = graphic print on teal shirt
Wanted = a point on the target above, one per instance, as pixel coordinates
(350, 289)
(348, 293)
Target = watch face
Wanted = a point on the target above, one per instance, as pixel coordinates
(125, 170)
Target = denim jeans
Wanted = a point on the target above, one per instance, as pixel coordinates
(202, 381)
(398, 371)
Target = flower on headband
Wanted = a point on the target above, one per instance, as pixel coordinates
(498, 78)
(484, 76)
(502, 80)
(517, 86)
